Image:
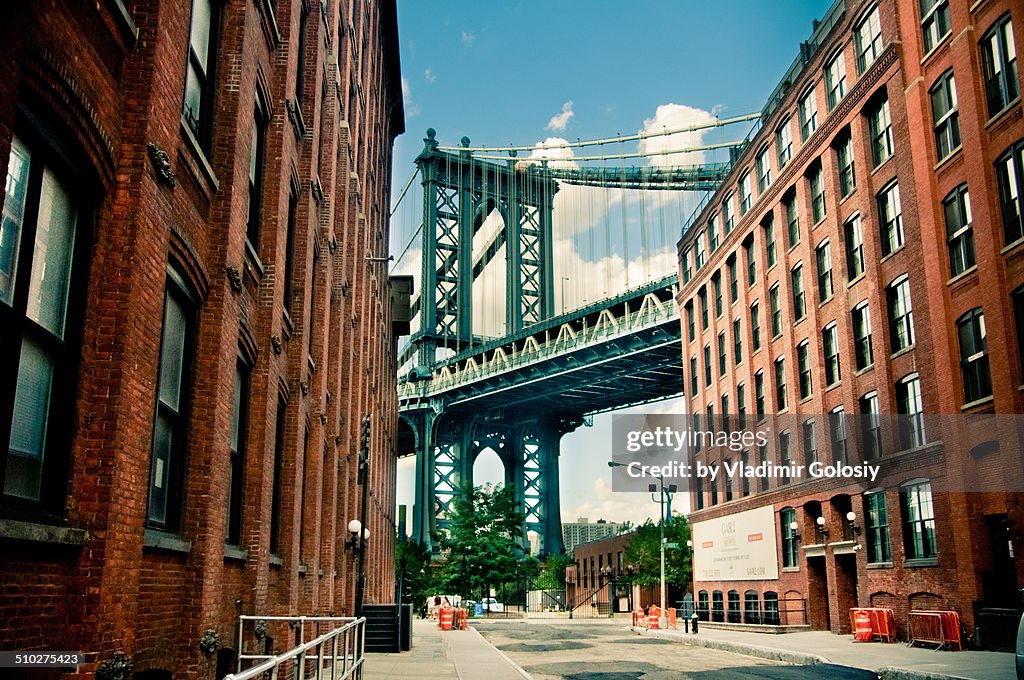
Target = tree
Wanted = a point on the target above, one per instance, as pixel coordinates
(413, 566)
(644, 553)
(552, 575)
(482, 544)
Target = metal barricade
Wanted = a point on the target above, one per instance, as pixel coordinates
(337, 654)
(939, 628)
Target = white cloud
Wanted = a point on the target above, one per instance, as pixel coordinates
(559, 122)
(614, 506)
(468, 37)
(429, 75)
(412, 108)
(674, 117)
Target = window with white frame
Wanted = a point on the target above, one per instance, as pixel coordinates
(974, 356)
(1010, 177)
(999, 66)
(853, 241)
(868, 40)
(807, 110)
(959, 230)
(764, 170)
(830, 348)
(945, 116)
(910, 407)
(880, 128)
(835, 79)
(746, 193)
(901, 315)
(890, 219)
(823, 259)
(934, 22)
(784, 142)
(862, 352)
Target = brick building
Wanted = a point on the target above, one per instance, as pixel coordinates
(865, 257)
(594, 568)
(202, 323)
(584, 531)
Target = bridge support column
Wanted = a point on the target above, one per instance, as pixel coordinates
(551, 442)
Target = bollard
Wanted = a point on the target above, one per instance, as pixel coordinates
(686, 625)
(694, 619)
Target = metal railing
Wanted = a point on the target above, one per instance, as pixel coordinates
(337, 654)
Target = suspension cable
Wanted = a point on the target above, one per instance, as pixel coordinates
(638, 154)
(402, 195)
(610, 140)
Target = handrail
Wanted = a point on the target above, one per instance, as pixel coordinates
(352, 650)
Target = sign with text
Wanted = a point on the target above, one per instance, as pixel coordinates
(738, 547)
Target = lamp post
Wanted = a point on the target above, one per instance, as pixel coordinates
(665, 493)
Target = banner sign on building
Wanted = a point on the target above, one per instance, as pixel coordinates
(738, 547)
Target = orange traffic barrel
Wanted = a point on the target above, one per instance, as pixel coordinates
(653, 614)
(445, 617)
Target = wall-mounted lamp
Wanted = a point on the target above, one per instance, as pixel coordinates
(794, 529)
(352, 543)
(821, 528)
(851, 517)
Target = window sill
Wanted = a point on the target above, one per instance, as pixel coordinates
(938, 47)
(906, 350)
(275, 561)
(235, 554)
(842, 199)
(201, 163)
(854, 281)
(879, 565)
(861, 371)
(827, 300)
(13, 530)
(791, 570)
(254, 266)
(881, 165)
(972, 405)
(918, 562)
(886, 258)
(1010, 247)
(949, 160)
(160, 540)
(806, 400)
(963, 277)
(829, 388)
(1004, 112)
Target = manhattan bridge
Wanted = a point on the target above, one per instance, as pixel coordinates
(544, 293)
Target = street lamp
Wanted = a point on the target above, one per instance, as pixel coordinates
(666, 493)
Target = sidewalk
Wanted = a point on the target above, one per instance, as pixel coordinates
(454, 655)
(895, 661)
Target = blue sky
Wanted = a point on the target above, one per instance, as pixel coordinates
(520, 72)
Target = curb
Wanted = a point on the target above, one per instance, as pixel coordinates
(519, 669)
(894, 673)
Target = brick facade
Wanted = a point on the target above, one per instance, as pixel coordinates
(167, 220)
(974, 560)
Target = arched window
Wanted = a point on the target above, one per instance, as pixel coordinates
(717, 606)
(702, 605)
(751, 607)
(771, 608)
(734, 606)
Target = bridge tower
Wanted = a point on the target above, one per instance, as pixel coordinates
(459, 194)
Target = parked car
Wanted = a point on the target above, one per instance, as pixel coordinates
(492, 605)
(1019, 659)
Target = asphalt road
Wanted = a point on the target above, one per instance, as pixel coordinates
(609, 651)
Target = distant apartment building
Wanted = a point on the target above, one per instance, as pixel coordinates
(865, 257)
(585, 531)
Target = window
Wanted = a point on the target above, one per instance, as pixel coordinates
(910, 407)
(744, 480)
(1017, 299)
(780, 383)
(854, 241)
(748, 252)
(725, 420)
(698, 494)
(959, 230)
(863, 354)
(256, 161)
(890, 219)
(764, 170)
(694, 379)
(918, 521)
(901, 315)
(702, 596)
(277, 481)
(741, 405)
(289, 250)
(769, 240)
(751, 605)
(807, 110)
(734, 595)
(716, 284)
(1010, 175)
(784, 143)
(792, 219)
(799, 302)
(776, 310)
(817, 187)
(803, 361)
(707, 365)
(300, 60)
(714, 501)
(999, 64)
(702, 297)
(691, 324)
(717, 606)
(713, 233)
(746, 194)
(762, 458)
(787, 516)
(734, 284)
(830, 347)
(759, 407)
(41, 287)
(687, 264)
(199, 85)
(871, 426)
(823, 258)
(837, 434)
(810, 438)
(236, 469)
(868, 39)
(737, 342)
(721, 354)
(835, 80)
(847, 175)
(880, 128)
(170, 431)
(974, 356)
(728, 218)
(876, 525)
(699, 255)
(945, 116)
(755, 326)
(934, 22)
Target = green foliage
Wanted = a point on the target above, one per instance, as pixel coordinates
(552, 575)
(483, 543)
(413, 563)
(644, 553)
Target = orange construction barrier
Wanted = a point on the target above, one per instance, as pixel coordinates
(940, 628)
(861, 625)
(639, 618)
(653, 614)
(881, 624)
(671, 617)
(445, 617)
(461, 621)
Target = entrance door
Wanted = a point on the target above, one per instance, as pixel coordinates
(846, 587)
(817, 594)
